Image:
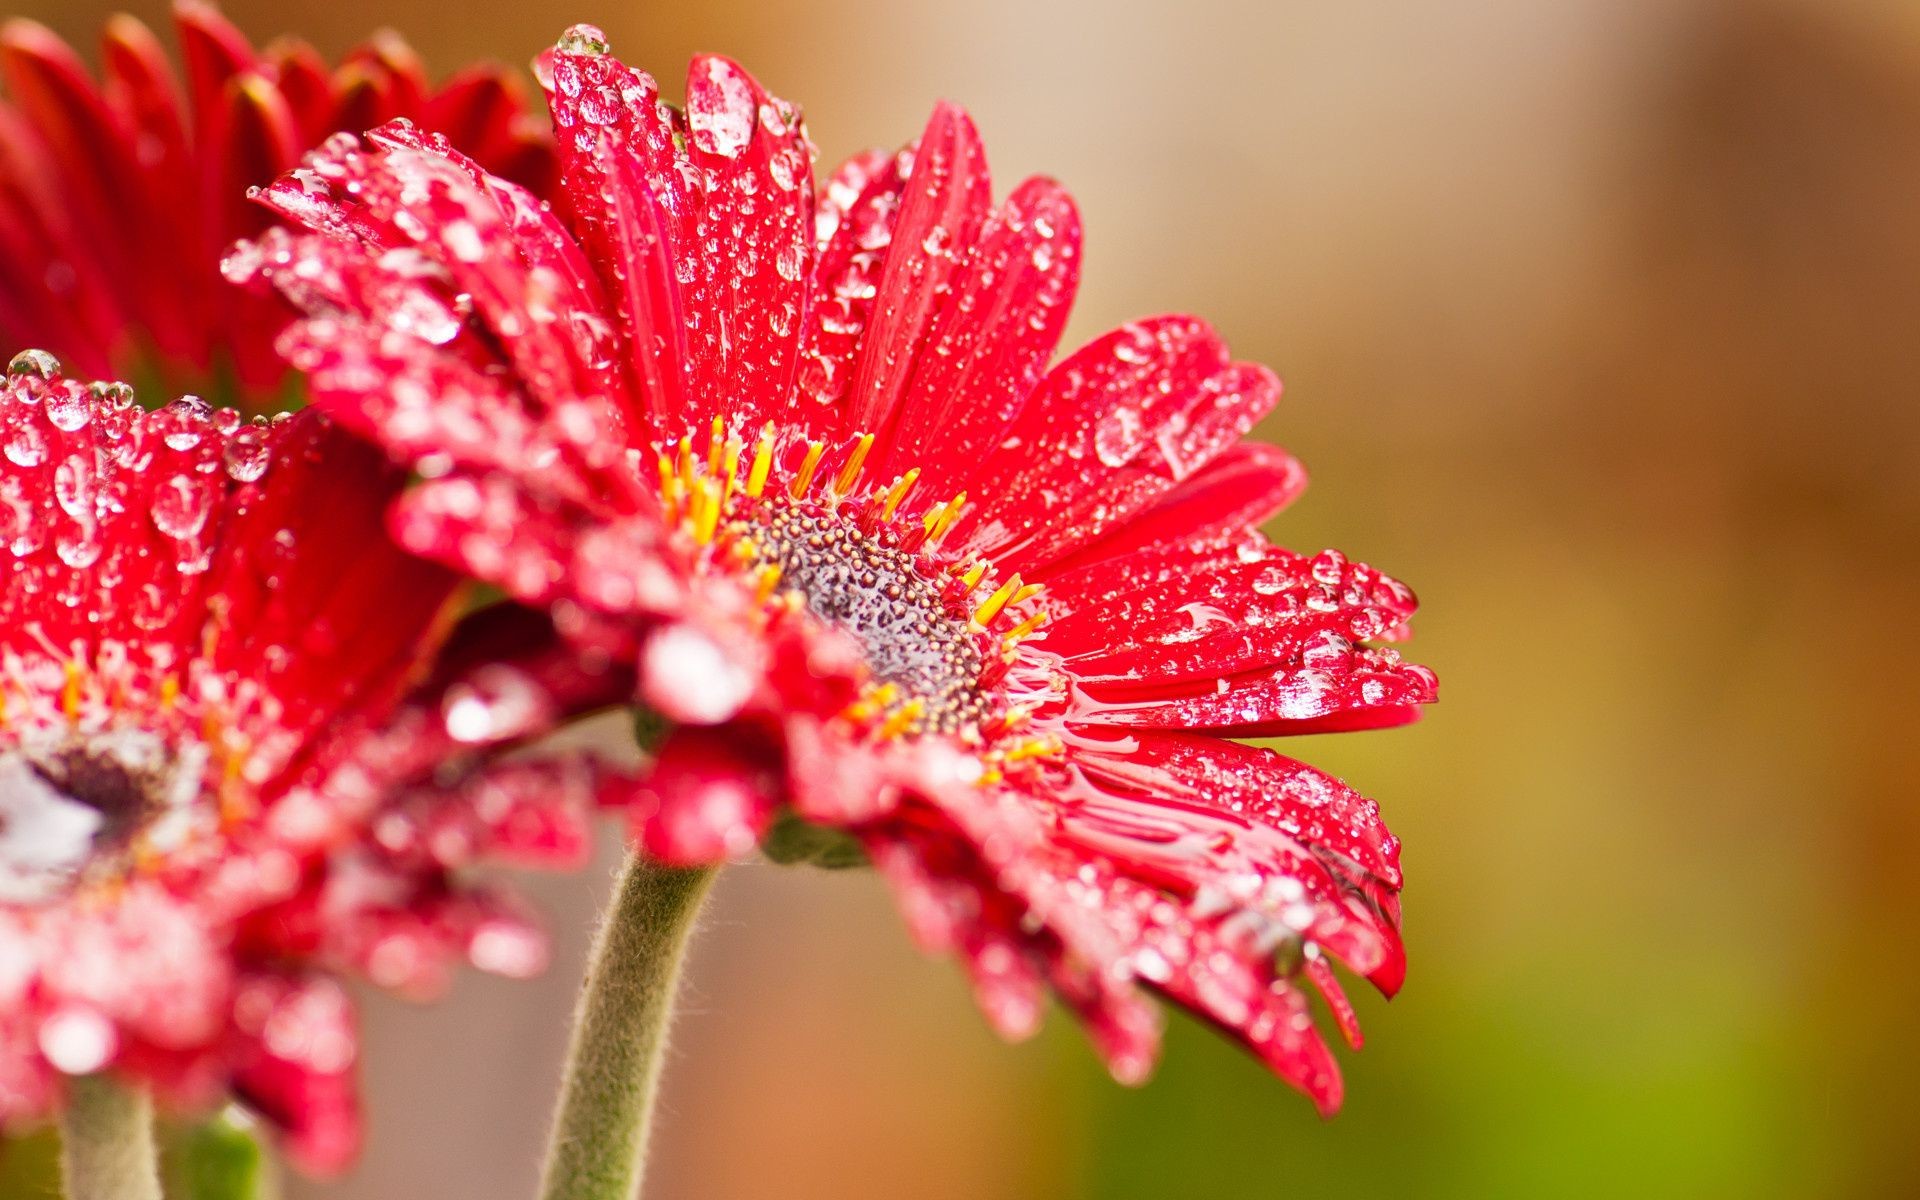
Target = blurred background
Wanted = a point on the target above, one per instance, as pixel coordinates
(1601, 326)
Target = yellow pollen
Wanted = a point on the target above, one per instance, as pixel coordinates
(70, 694)
(899, 492)
(732, 472)
(169, 693)
(669, 487)
(1024, 629)
(1017, 716)
(1027, 593)
(984, 615)
(769, 580)
(851, 472)
(762, 463)
(808, 465)
(685, 462)
(904, 718)
(714, 443)
(1035, 747)
(974, 575)
(941, 517)
(706, 510)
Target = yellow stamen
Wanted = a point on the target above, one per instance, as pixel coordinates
(899, 492)
(1024, 629)
(686, 463)
(714, 443)
(1037, 747)
(1027, 593)
(669, 487)
(70, 694)
(706, 517)
(1015, 717)
(769, 580)
(974, 575)
(984, 615)
(732, 472)
(762, 463)
(941, 517)
(904, 718)
(851, 472)
(169, 693)
(808, 465)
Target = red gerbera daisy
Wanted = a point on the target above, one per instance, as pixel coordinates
(800, 458)
(223, 777)
(144, 299)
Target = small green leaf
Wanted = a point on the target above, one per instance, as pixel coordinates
(792, 841)
(218, 1159)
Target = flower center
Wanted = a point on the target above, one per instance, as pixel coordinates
(72, 806)
(940, 634)
(879, 594)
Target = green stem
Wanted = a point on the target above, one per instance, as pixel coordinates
(598, 1148)
(106, 1142)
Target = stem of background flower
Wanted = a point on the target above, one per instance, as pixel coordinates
(598, 1148)
(106, 1142)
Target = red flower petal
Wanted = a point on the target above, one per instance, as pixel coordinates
(1110, 431)
(855, 217)
(1279, 609)
(1240, 490)
(946, 200)
(991, 339)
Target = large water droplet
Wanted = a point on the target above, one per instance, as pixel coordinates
(583, 39)
(37, 363)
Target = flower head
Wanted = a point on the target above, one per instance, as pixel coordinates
(801, 460)
(142, 297)
(231, 767)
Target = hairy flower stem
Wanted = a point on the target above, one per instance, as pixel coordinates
(598, 1148)
(106, 1142)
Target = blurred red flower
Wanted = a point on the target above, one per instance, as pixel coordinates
(801, 461)
(231, 767)
(117, 295)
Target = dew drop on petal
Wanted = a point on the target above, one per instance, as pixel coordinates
(584, 39)
(37, 363)
(181, 506)
(247, 454)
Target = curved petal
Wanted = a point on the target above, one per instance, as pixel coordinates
(1281, 608)
(945, 202)
(991, 339)
(1110, 430)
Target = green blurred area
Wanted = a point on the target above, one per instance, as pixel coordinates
(1598, 325)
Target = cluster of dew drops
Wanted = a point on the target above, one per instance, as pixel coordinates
(105, 450)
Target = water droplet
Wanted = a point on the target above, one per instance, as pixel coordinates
(37, 363)
(67, 410)
(26, 447)
(584, 39)
(180, 506)
(1118, 436)
(247, 455)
